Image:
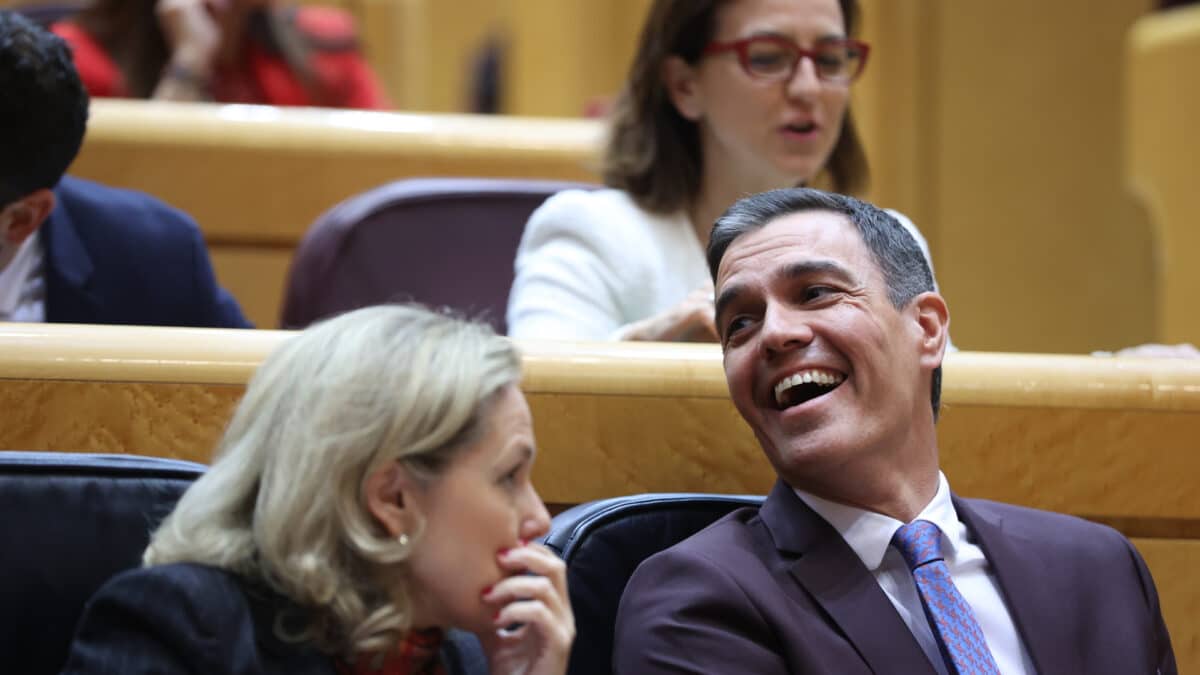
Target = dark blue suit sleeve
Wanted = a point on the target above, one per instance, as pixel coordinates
(220, 309)
(162, 621)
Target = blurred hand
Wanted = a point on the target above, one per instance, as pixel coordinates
(534, 624)
(689, 321)
(1184, 350)
(192, 34)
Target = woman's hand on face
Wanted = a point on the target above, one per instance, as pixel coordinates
(689, 321)
(534, 626)
(191, 32)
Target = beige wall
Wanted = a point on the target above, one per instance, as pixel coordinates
(995, 125)
(1039, 247)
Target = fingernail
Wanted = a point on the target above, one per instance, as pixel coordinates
(524, 542)
(486, 591)
(496, 615)
(503, 552)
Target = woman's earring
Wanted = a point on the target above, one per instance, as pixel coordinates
(402, 540)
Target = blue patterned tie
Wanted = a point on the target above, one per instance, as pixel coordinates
(958, 633)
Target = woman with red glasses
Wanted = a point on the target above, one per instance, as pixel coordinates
(725, 98)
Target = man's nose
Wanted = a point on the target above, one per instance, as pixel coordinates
(785, 328)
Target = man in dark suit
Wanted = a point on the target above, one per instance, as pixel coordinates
(861, 560)
(73, 251)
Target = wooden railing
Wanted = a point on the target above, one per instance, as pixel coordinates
(1108, 439)
(255, 177)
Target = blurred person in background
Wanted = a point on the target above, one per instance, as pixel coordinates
(725, 98)
(229, 51)
(74, 251)
(373, 490)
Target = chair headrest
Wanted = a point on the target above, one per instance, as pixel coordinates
(412, 239)
(603, 542)
(69, 521)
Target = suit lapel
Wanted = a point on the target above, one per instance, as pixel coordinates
(829, 570)
(1036, 608)
(68, 267)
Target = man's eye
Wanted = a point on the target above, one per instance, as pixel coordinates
(736, 324)
(817, 292)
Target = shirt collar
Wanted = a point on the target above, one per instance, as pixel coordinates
(16, 274)
(869, 533)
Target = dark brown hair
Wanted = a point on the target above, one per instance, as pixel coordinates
(130, 33)
(653, 152)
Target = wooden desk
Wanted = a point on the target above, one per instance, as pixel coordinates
(1108, 439)
(255, 177)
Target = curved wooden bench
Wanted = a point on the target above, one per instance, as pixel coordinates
(1113, 440)
(255, 177)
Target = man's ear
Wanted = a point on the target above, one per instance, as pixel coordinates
(933, 323)
(390, 496)
(679, 78)
(26, 215)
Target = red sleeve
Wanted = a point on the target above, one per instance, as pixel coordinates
(338, 60)
(356, 84)
(99, 74)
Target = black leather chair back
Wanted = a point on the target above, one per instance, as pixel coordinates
(68, 522)
(603, 542)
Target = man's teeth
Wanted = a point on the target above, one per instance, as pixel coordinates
(819, 377)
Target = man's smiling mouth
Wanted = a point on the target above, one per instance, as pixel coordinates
(806, 385)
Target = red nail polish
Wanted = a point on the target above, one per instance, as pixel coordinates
(524, 542)
(496, 615)
(487, 590)
(503, 552)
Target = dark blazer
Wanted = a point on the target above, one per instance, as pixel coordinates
(121, 257)
(200, 620)
(777, 590)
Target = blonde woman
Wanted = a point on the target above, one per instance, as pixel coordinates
(372, 490)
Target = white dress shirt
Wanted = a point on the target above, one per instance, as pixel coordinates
(870, 534)
(23, 284)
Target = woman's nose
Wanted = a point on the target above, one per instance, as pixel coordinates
(536, 521)
(804, 83)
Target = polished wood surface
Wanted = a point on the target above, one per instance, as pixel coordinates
(1162, 141)
(256, 177)
(656, 417)
(1109, 439)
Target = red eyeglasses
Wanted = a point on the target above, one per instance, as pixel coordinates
(775, 58)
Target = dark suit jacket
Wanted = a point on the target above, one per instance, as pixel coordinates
(121, 257)
(777, 590)
(200, 620)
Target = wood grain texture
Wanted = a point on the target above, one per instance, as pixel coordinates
(178, 420)
(1107, 439)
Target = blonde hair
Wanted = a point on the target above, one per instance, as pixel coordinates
(283, 503)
